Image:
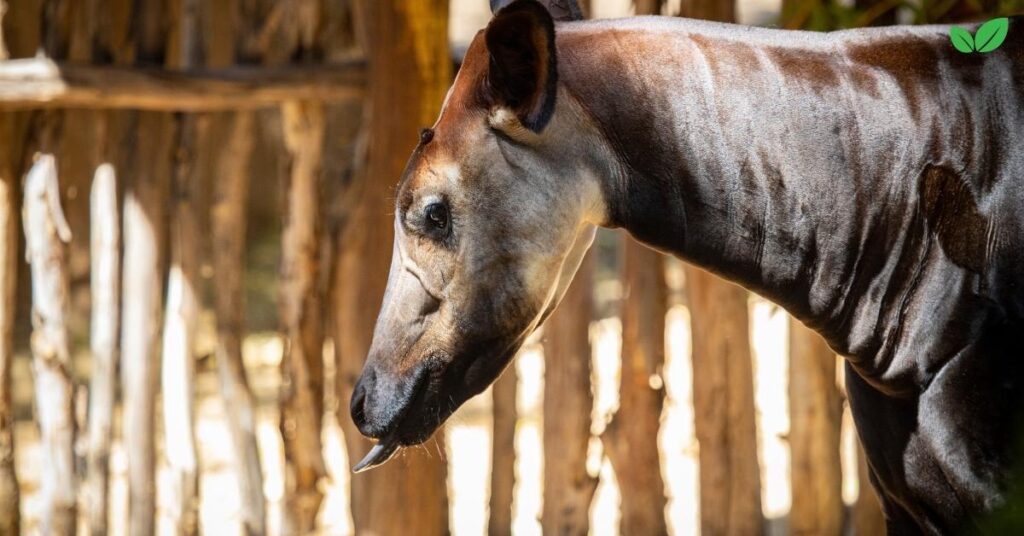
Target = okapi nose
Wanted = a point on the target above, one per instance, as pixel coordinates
(358, 404)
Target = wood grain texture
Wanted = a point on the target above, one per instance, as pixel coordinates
(228, 221)
(144, 229)
(568, 403)
(815, 412)
(46, 237)
(723, 405)
(105, 286)
(631, 439)
(181, 318)
(301, 303)
(503, 452)
(44, 83)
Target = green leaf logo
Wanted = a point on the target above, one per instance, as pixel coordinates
(991, 34)
(962, 39)
(988, 38)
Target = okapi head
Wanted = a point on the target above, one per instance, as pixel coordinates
(494, 212)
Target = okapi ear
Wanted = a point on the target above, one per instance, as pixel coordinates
(560, 10)
(523, 71)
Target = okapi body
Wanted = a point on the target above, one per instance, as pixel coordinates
(870, 181)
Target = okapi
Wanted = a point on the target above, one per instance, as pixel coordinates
(869, 181)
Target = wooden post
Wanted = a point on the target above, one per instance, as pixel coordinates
(815, 409)
(716, 10)
(227, 217)
(632, 436)
(723, 405)
(301, 303)
(144, 227)
(503, 452)
(105, 285)
(230, 162)
(182, 309)
(10, 517)
(568, 402)
(46, 236)
(408, 79)
(10, 156)
(648, 7)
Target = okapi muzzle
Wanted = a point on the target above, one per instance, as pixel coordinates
(869, 181)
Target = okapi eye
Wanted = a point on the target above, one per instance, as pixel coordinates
(437, 216)
(426, 135)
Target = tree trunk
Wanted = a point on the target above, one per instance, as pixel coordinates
(723, 405)
(632, 436)
(867, 518)
(144, 228)
(46, 235)
(150, 152)
(648, 7)
(10, 517)
(716, 10)
(182, 314)
(180, 324)
(815, 409)
(568, 403)
(503, 452)
(407, 83)
(231, 192)
(105, 274)
(302, 379)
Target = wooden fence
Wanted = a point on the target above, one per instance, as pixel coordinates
(135, 139)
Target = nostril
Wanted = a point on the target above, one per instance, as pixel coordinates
(357, 406)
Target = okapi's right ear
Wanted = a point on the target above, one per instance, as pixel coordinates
(523, 72)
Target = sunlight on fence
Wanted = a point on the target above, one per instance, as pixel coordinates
(468, 440)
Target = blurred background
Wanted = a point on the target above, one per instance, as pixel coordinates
(202, 190)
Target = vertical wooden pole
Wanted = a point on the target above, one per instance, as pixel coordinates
(231, 164)
(648, 7)
(723, 405)
(230, 198)
(301, 304)
(408, 79)
(105, 283)
(144, 228)
(632, 436)
(503, 452)
(10, 517)
(716, 10)
(815, 409)
(182, 309)
(568, 402)
(144, 232)
(46, 236)
(180, 323)
(105, 275)
(10, 156)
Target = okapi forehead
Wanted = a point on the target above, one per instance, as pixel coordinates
(465, 106)
(456, 132)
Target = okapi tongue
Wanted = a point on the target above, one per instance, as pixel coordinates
(380, 453)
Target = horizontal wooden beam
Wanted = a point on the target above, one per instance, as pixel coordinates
(43, 83)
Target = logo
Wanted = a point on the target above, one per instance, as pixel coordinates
(988, 38)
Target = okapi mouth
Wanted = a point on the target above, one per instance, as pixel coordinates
(421, 414)
(438, 390)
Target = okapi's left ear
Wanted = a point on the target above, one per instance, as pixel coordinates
(523, 71)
